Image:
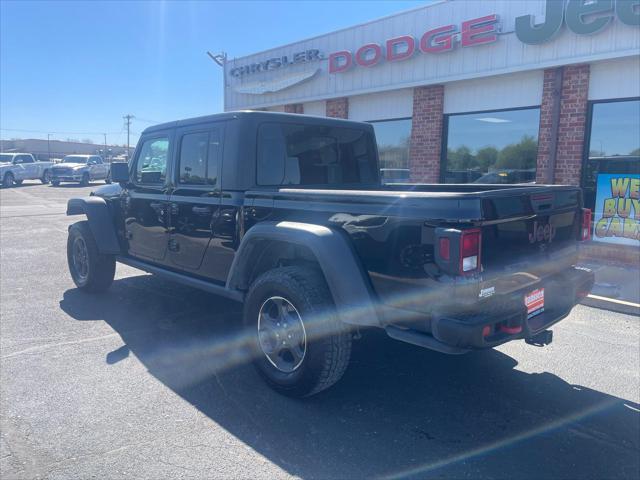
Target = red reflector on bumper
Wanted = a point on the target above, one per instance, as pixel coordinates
(510, 330)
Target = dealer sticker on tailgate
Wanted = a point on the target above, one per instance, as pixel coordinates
(534, 301)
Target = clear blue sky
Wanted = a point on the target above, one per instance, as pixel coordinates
(80, 66)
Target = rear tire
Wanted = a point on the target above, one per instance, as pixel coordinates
(91, 271)
(299, 296)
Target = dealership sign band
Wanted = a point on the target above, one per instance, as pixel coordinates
(580, 17)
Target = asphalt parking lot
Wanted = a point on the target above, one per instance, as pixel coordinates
(141, 383)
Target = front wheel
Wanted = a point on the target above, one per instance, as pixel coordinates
(46, 177)
(298, 343)
(8, 181)
(91, 270)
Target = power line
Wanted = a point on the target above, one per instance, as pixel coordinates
(146, 120)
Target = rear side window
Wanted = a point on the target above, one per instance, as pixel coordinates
(151, 167)
(290, 154)
(199, 158)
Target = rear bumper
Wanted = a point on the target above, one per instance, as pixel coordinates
(502, 320)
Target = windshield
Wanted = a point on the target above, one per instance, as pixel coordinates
(74, 159)
(6, 157)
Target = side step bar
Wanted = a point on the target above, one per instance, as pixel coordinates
(422, 340)
(183, 279)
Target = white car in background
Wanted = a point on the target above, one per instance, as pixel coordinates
(17, 167)
(81, 169)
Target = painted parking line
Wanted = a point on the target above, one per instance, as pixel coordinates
(613, 300)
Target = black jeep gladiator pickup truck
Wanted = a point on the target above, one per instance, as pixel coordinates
(287, 214)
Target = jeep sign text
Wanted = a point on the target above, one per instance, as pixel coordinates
(583, 18)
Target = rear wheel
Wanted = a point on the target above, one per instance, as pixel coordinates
(46, 177)
(85, 180)
(91, 270)
(299, 345)
(8, 181)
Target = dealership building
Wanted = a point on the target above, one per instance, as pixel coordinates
(468, 91)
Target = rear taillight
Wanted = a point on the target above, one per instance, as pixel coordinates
(585, 229)
(444, 246)
(470, 251)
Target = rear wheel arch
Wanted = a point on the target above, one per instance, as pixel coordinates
(271, 245)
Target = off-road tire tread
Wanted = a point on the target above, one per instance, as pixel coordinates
(103, 271)
(312, 286)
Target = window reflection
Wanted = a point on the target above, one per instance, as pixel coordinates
(393, 138)
(614, 143)
(492, 147)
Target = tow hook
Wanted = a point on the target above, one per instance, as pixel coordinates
(540, 339)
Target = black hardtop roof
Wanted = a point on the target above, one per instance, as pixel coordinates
(260, 116)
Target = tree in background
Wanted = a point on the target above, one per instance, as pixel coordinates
(487, 158)
(519, 156)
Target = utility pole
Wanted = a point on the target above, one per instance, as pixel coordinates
(49, 146)
(105, 147)
(128, 117)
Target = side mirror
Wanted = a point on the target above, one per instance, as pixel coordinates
(120, 172)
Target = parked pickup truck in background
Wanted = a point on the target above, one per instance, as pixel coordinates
(81, 169)
(17, 167)
(287, 214)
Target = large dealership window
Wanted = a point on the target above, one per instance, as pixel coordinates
(393, 138)
(491, 147)
(611, 173)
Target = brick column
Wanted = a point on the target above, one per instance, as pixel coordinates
(338, 107)
(294, 108)
(426, 134)
(571, 125)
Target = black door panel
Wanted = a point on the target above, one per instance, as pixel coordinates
(146, 200)
(195, 202)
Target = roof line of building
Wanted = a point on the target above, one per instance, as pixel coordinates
(428, 5)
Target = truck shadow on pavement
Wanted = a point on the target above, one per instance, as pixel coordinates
(399, 411)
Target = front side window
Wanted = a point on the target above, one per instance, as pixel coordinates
(492, 147)
(151, 167)
(393, 138)
(291, 154)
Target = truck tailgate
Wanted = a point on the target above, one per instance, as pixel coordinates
(535, 234)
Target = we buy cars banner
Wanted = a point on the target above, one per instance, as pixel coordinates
(617, 210)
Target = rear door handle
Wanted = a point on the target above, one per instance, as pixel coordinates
(201, 210)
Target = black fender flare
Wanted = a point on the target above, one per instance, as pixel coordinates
(347, 281)
(100, 222)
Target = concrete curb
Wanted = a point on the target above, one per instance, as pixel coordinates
(612, 304)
